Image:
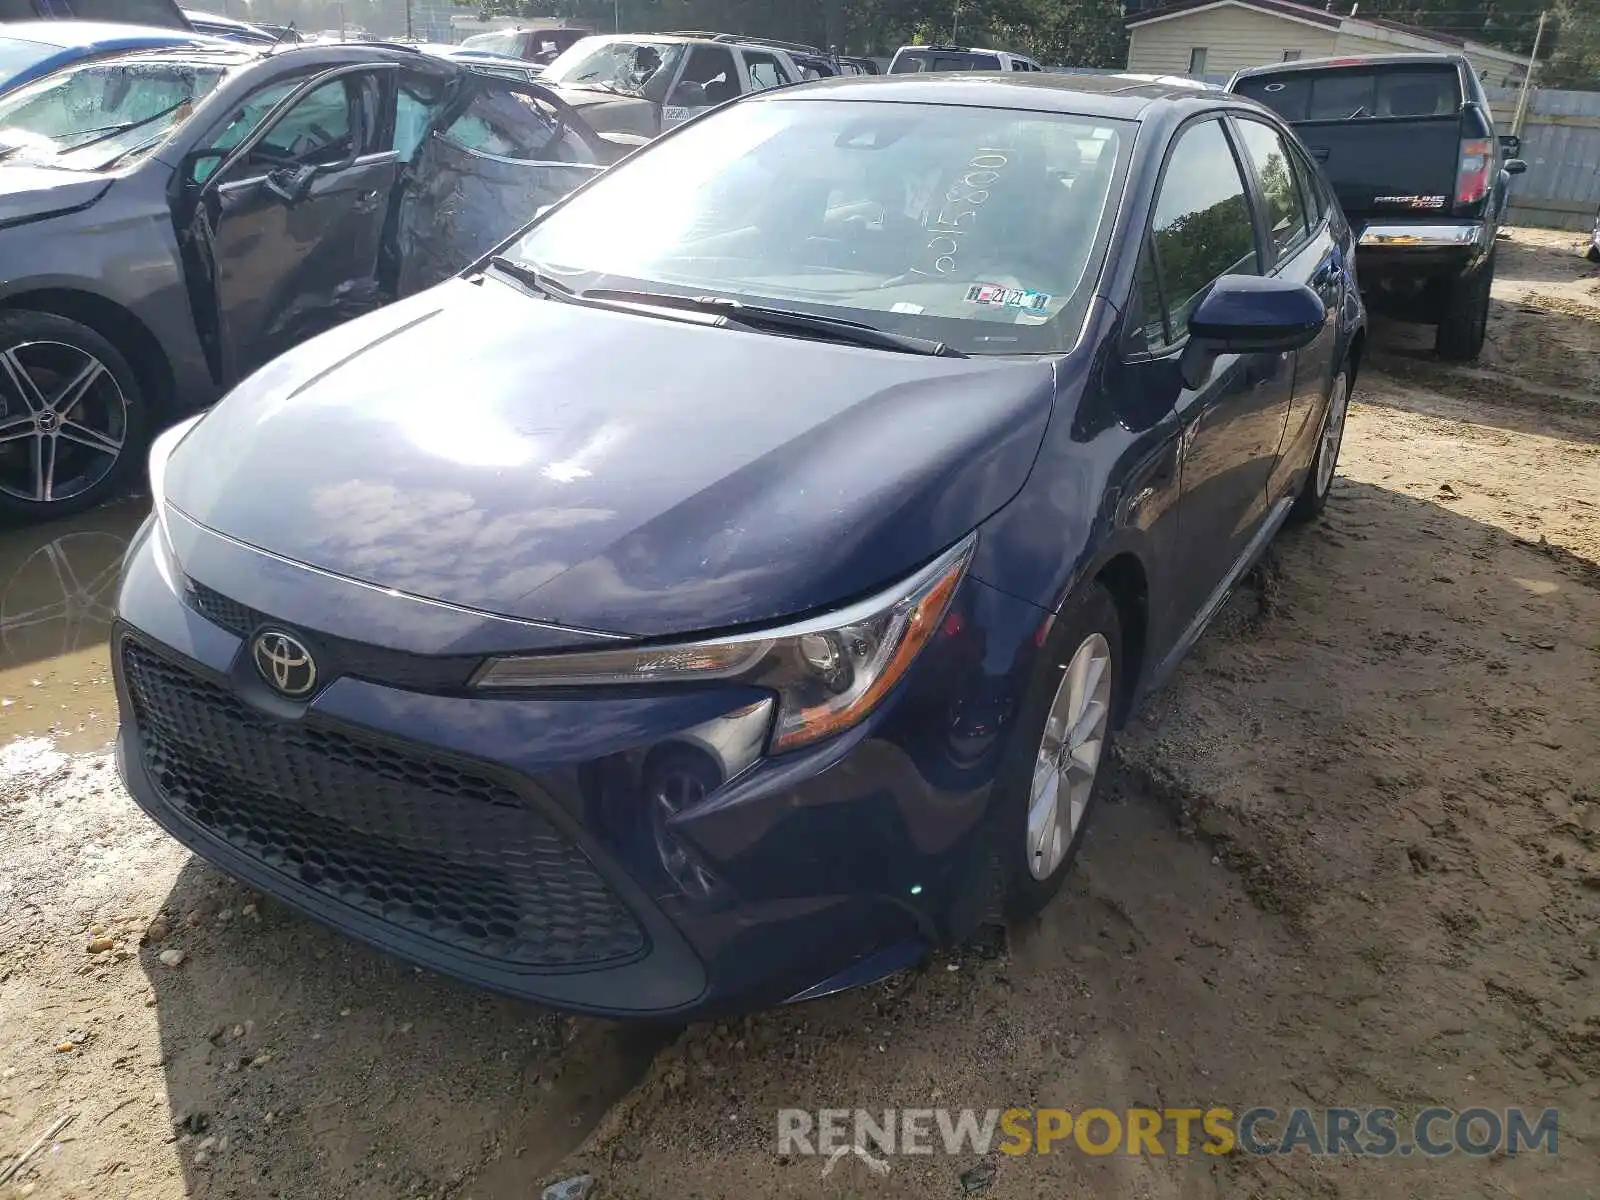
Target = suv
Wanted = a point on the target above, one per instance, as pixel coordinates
(814, 62)
(634, 87)
(1408, 142)
(911, 59)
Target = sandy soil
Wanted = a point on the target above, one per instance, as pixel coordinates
(1352, 858)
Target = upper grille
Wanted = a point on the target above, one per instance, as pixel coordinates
(340, 656)
(423, 844)
(236, 618)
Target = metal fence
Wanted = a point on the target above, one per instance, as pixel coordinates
(1561, 145)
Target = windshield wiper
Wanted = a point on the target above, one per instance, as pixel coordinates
(108, 132)
(532, 277)
(783, 320)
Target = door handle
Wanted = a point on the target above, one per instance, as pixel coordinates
(1320, 153)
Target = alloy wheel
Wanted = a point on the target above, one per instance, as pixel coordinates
(63, 421)
(1069, 756)
(1332, 432)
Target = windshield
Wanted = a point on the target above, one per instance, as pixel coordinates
(632, 66)
(91, 115)
(982, 228)
(498, 43)
(1360, 94)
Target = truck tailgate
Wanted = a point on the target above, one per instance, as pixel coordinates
(1388, 134)
(1387, 168)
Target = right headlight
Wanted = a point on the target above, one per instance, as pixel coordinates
(829, 672)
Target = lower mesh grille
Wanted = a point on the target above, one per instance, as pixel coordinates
(419, 843)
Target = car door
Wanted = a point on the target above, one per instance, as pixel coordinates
(1303, 248)
(1202, 227)
(296, 214)
(711, 76)
(497, 154)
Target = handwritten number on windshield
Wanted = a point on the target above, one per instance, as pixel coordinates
(960, 211)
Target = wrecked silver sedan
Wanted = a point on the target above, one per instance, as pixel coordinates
(172, 220)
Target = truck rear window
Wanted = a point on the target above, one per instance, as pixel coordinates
(1352, 94)
(942, 60)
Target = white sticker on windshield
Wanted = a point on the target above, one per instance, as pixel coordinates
(992, 295)
(905, 306)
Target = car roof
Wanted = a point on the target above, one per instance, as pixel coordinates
(65, 34)
(1356, 60)
(1130, 97)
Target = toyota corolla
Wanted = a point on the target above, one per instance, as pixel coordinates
(731, 587)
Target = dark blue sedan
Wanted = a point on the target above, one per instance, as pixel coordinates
(731, 588)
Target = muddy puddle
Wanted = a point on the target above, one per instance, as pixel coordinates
(57, 591)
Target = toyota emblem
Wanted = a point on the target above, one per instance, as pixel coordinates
(285, 663)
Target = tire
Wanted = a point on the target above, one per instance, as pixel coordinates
(1313, 497)
(1087, 628)
(73, 421)
(1465, 319)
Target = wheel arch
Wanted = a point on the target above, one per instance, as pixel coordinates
(131, 336)
(1125, 578)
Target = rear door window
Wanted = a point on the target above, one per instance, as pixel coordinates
(1409, 93)
(518, 125)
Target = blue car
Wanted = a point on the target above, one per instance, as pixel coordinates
(30, 50)
(731, 587)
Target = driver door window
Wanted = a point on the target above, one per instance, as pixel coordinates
(317, 130)
(1201, 227)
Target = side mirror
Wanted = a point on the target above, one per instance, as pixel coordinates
(1515, 166)
(1249, 314)
(1511, 144)
(689, 94)
(291, 184)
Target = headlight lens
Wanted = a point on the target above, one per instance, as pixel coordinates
(829, 672)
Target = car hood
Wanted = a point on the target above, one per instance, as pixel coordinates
(29, 192)
(605, 470)
(609, 112)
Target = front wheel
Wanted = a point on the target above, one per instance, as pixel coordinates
(72, 420)
(1313, 497)
(1054, 772)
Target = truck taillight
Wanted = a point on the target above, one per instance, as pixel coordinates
(1472, 177)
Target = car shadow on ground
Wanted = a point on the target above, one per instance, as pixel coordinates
(297, 1059)
(299, 1063)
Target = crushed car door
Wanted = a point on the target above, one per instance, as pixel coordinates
(497, 155)
(293, 217)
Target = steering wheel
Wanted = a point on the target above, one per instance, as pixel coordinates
(556, 137)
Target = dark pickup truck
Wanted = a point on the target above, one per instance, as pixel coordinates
(1409, 144)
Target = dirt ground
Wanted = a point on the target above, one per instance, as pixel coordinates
(1353, 857)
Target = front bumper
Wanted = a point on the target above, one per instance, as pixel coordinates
(522, 843)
